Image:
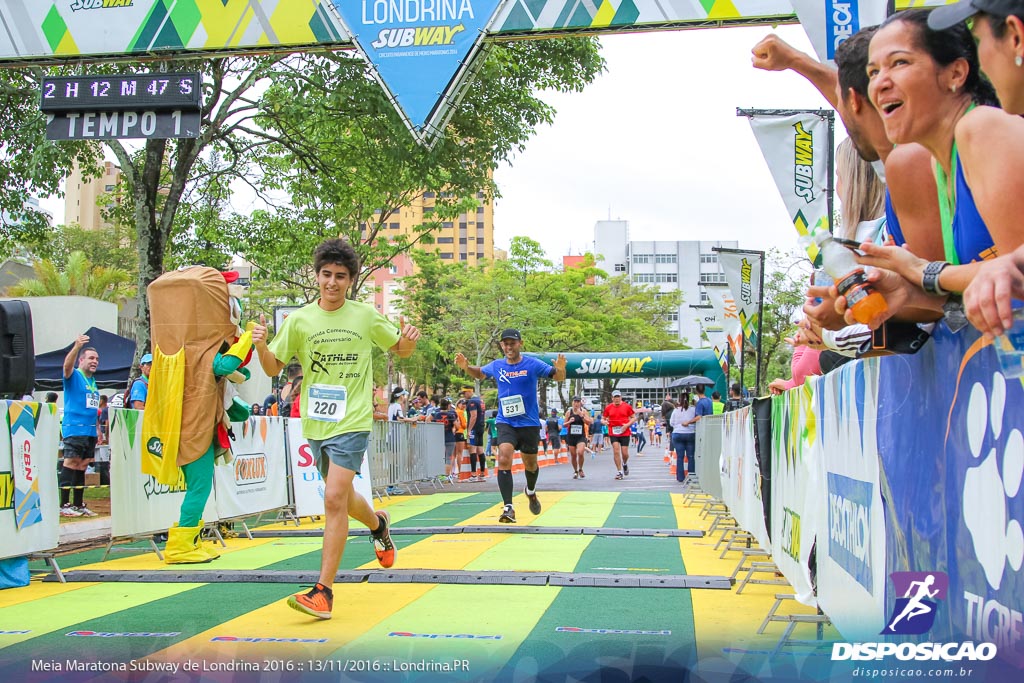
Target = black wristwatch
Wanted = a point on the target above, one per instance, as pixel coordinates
(930, 278)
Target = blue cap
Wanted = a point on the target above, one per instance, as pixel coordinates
(148, 358)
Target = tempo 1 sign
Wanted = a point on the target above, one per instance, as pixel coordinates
(108, 107)
(122, 124)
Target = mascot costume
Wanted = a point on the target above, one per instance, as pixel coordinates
(198, 351)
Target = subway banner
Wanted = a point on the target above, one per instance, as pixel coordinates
(139, 504)
(829, 22)
(743, 274)
(29, 498)
(640, 364)
(796, 148)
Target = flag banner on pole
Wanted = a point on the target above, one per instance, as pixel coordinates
(795, 146)
(743, 275)
(727, 315)
(719, 341)
(829, 22)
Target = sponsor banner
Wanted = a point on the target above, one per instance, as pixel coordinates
(795, 486)
(829, 22)
(139, 504)
(727, 315)
(29, 498)
(254, 481)
(650, 364)
(307, 483)
(795, 148)
(741, 474)
(420, 52)
(851, 548)
(953, 494)
(743, 273)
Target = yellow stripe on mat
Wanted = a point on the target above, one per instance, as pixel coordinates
(723, 618)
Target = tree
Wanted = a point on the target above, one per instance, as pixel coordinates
(460, 308)
(30, 165)
(79, 277)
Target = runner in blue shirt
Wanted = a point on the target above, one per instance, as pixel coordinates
(81, 410)
(518, 414)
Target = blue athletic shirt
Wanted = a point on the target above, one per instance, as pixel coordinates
(140, 390)
(892, 222)
(81, 405)
(517, 389)
(971, 238)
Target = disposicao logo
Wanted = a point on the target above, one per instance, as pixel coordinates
(612, 631)
(914, 612)
(249, 639)
(457, 636)
(916, 606)
(115, 634)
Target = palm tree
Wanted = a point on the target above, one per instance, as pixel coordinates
(80, 278)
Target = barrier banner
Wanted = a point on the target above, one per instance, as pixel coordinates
(254, 481)
(954, 498)
(139, 505)
(307, 484)
(708, 451)
(851, 545)
(741, 475)
(796, 149)
(795, 464)
(29, 498)
(727, 316)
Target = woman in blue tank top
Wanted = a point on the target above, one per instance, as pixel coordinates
(927, 87)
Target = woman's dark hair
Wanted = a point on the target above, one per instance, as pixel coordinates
(396, 393)
(684, 400)
(947, 46)
(338, 252)
(996, 23)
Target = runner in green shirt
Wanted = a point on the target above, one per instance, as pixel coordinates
(333, 339)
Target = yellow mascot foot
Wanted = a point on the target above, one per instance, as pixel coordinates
(183, 546)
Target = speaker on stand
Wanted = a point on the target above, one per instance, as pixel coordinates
(17, 350)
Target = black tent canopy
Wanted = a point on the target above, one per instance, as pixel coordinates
(116, 356)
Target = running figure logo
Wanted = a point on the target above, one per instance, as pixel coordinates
(914, 613)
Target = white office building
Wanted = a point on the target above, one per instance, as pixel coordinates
(685, 266)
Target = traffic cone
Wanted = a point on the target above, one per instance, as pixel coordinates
(672, 464)
(667, 452)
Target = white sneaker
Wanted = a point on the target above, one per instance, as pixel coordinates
(86, 512)
(70, 511)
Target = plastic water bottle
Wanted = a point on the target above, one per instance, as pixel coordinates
(850, 278)
(1010, 347)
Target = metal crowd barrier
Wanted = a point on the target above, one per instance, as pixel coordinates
(406, 454)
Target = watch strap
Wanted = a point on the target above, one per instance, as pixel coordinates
(930, 278)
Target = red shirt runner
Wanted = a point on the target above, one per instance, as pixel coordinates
(617, 417)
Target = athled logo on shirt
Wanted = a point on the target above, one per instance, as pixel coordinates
(508, 376)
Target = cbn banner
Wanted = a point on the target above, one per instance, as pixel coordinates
(796, 150)
(743, 274)
(138, 503)
(851, 545)
(829, 22)
(741, 474)
(795, 486)
(29, 499)
(255, 481)
(954, 500)
(307, 483)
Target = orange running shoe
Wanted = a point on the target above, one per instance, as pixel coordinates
(382, 545)
(318, 602)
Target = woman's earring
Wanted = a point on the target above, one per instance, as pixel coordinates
(1018, 60)
(953, 88)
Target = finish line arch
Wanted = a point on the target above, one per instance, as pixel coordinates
(641, 364)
